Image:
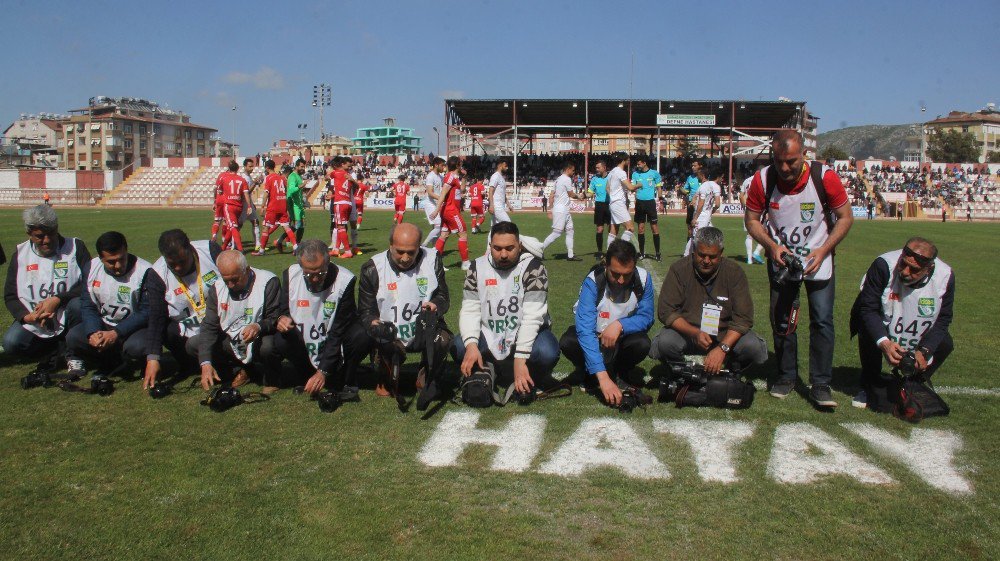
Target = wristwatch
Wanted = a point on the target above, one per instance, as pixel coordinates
(725, 348)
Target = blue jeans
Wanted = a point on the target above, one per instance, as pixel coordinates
(541, 362)
(821, 332)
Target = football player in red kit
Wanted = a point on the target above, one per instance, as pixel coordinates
(476, 192)
(400, 189)
(235, 194)
(359, 201)
(341, 187)
(450, 209)
(276, 208)
(217, 207)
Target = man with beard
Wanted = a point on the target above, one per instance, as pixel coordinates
(504, 319)
(906, 304)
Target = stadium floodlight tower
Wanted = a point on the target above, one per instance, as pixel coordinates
(322, 97)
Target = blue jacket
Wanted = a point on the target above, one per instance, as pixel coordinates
(639, 321)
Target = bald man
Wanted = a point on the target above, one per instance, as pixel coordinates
(241, 316)
(395, 287)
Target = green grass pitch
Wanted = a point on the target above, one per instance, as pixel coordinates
(127, 477)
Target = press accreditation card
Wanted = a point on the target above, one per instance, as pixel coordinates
(710, 314)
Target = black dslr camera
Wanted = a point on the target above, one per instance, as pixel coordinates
(525, 398)
(792, 271)
(159, 391)
(682, 374)
(908, 364)
(632, 398)
(222, 399)
(37, 379)
(101, 386)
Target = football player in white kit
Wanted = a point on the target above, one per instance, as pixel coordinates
(708, 199)
(434, 183)
(499, 209)
(618, 184)
(562, 220)
(753, 256)
(253, 178)
(504, 319)
(114, 310)
(45, 278)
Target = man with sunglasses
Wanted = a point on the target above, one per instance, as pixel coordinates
(318, 329)
(905, 304)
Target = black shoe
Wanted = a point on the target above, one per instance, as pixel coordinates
(599, 255)
(657, 257)
(822, 396)
(781, 389)
(574, 258)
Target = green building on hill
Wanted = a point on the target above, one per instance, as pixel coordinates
(386, 140)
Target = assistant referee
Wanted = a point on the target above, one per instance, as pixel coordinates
(650, 184)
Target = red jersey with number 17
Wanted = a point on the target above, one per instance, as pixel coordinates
(359, 195)
(233, 187)
(276, 187)
(453, 190)
(401, 189)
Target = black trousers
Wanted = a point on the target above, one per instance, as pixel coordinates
(227, 365)
(291, 346)
(872, 359)
(442, 345)
(131, 348)
(628, 353)
(184, 349)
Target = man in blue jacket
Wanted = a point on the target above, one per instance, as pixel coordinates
(613, 316)
(114, 307)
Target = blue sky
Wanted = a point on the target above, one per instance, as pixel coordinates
(858, 63)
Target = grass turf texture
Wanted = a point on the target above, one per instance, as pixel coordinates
(129, 477)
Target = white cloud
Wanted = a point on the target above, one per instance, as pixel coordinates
(265, 78)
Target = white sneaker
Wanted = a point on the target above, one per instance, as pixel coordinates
(466, 265)
(75, 368)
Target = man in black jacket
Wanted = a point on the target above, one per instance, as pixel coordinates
(241, 315)
(396, 286)
(318, 329)
(905, 305)
(45, 278)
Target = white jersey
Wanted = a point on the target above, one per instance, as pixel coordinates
(560, 203)
(616, 189)
(234, 314)
(501, 300)
(434, 184)
(40, 277)
(708, 193)
(499, 186)
(186, 295)
(314, 312)
(401, 295)
(609, 311)
(798, 221)
(116, 297)
(908, 312)
(745, 186)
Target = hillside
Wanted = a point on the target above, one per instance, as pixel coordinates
(880, 141)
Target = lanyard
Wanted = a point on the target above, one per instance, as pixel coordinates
(197, 306)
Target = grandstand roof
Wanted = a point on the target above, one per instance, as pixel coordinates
(608, 116)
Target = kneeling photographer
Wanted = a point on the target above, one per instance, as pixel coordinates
(706, 309)
(504, 323)
(904, 307)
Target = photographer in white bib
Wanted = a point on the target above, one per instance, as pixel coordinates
(318, 329)
(241, 316)
(905, 305)
(504, 319)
